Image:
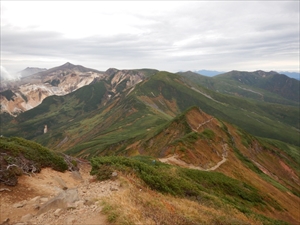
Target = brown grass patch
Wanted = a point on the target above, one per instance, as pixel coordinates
(136, 204)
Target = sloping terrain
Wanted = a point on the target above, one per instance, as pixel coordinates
(31, 90)
(131, 105)
(273, 82)
(30, 71)
(198, 141)
(141, 190)
(171, 93)
(225, 147)
(261, 86)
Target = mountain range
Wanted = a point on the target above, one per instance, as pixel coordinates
(37, 84)
(244, 125)
(211, 73)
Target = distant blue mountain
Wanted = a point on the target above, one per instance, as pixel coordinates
(291, 74)
(209, 73)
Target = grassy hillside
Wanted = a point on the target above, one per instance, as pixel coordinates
(153, 186)
(104, 116)
(20, 156)
(167, 117)
(265, 87)
(56, 111)
(273, 82)
(169, 93)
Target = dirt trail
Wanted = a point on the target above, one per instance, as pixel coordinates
(175, 161)
(202, 124)
(21, 204)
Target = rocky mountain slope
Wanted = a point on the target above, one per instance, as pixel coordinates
(133, 104)
(31, 90)
(53, 197)
(152, 116)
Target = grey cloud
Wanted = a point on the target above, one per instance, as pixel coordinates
(218, 34)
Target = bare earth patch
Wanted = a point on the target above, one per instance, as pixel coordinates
(22, 203)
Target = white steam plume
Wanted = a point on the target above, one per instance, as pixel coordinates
(6, 76)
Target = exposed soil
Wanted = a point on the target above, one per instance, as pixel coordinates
(21, 204)
(174, 160)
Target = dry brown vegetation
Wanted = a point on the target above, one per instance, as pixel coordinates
(137, 204)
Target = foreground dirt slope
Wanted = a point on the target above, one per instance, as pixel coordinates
(31, 201)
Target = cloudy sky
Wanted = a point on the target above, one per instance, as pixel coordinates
(173, 36)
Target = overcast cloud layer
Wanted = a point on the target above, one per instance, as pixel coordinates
(170, 36)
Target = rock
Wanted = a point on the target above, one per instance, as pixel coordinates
(113, 188)
(26, 218)
(19, 204)
(52, 204)
(79, 203)
(4, 189)
(71, 206)
(61, 183)
(36, 207)
(35, 199)
(5, 222)
(114, 174)
(60, 201)
(76, 175)
(43, 200)
(70, 220)
(58, 212)
(88, 202)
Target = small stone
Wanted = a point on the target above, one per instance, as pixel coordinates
(43, 200)
(88, 202)
(35, 199)
(4, 189)
(5, 221)
(76, 175)
(70, 220)
(114, 174)
(61, 183)
(57, 212)
(36, 207)
(79, 203)
(114, 189)
(19, 204)
(26, 218)
(71, 206)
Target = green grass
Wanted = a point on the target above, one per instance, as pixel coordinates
(196, 185)
(91, 129)
(258, 118)
(43, 157)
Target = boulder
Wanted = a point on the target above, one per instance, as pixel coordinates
(61, 183)
(62, 201)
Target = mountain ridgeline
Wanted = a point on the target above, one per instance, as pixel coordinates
(242, 124)
(120, 99)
